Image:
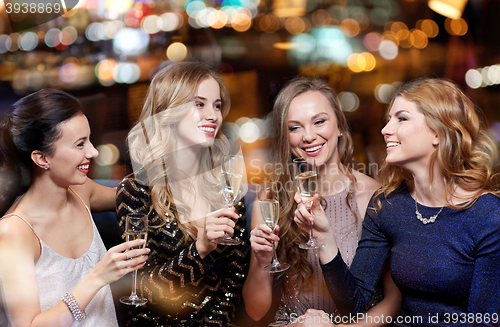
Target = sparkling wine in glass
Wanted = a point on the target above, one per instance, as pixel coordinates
(136, 227)
(269, 207)
(233, 168)
(306, 177)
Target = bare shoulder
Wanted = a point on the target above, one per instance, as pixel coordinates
(17, 235)
(84, 190)
(364, 189)
(365, 185)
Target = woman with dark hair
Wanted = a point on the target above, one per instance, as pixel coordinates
(176, 148)
(436, 215)
(309, 123)
(54, 267)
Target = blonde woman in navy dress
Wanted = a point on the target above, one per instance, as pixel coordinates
(54, 267)
(436, 215)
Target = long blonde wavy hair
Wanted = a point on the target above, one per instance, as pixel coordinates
(299, 275)
(154, 138)
(465, 154)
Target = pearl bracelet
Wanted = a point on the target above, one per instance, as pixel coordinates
(70, 301)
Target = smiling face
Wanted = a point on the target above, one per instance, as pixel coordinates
(70, 161)
(313, 128)
(202, 122)
(410, 142)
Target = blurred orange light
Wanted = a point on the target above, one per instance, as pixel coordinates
(370, 61)
(390, 36)
(295, 25)
(353, 63)
(320, 17)
(420, 39)
(456, 26)
(350, 27)
(269, 23)
(285, 45)
(105, 68)
(430, 28)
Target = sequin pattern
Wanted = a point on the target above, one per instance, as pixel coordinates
(182, 288)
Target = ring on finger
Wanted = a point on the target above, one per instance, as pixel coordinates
(126, 255)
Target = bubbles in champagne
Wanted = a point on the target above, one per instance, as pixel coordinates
(307, 184)
(269, 209)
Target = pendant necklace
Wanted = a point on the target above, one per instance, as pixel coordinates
(425, 221)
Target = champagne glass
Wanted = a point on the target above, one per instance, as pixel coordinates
(306, 177)
(136, 227)
(233, 168)
(269, 207)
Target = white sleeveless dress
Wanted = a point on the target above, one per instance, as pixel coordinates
(57, 275)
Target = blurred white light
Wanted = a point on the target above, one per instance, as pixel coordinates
(241, 121)
(52, 37)
(14, 46)
(384, 92)
(332, 44)
(249, 132)
(484, 74)
(111, 28)
(28, 41)
(231, 12)
(473, 78)
(388, 49)
(69, 72)
(202, 17)
(91, 32)
(108, 155)
(126, 72)
(5, 43)
(151, 24)
(130, 41)
(494, 74)
(306, 44)
(170, 22)
(349, 101)
(194, 7)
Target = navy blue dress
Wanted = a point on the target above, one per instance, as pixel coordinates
(448, 272)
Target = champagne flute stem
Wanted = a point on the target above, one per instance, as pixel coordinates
(310, 230)
(134, 285)
(275, 259)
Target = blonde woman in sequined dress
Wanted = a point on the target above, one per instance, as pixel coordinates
(176, 147)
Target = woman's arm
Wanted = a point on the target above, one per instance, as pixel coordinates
(366, 269)
(388, 307)
(485, 286)
(258, 303)
(100, 198)
(19, 248)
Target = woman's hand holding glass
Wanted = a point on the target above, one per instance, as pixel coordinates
(217, 224)
(262, 239)
(313, 219)
(306, 179)
(232, 170)
(116, 263)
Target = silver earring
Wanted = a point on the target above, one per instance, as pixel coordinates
(46, 167)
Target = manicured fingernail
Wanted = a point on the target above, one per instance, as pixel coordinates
(143, 240)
